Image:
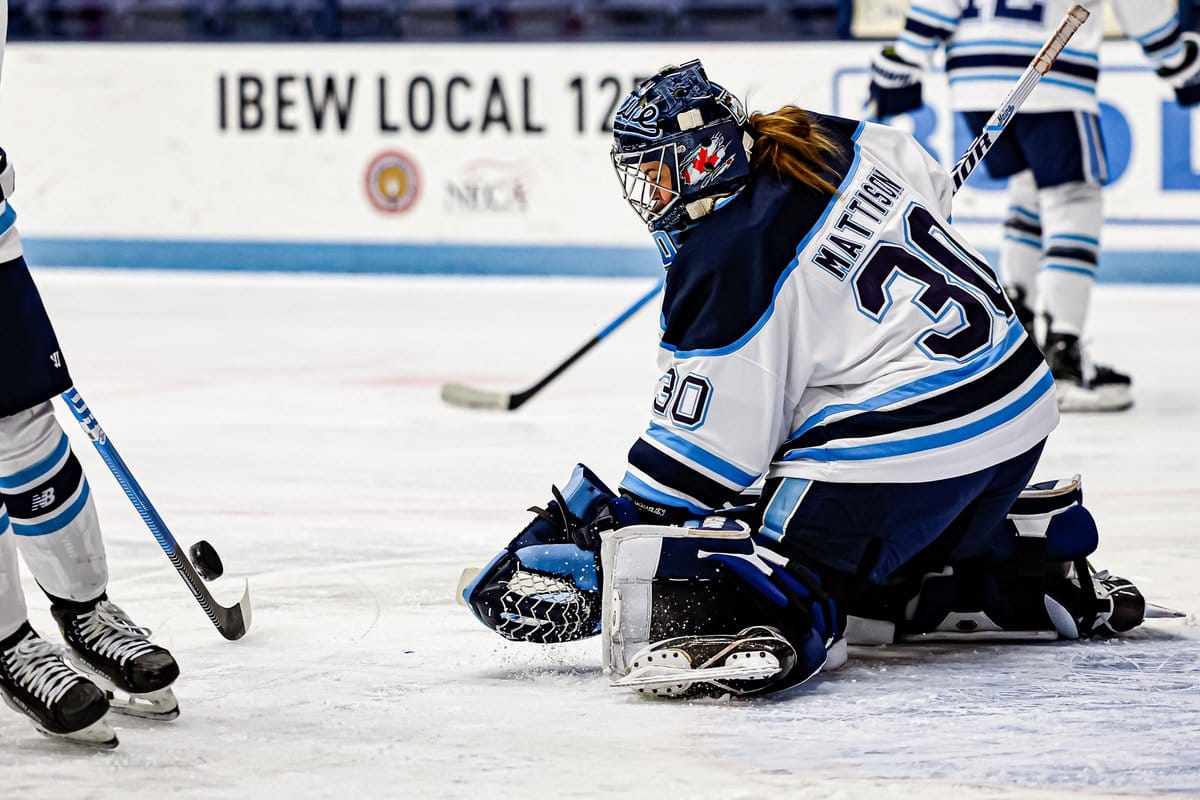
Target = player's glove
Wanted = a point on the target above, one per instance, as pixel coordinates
(7, 177)
(545, 585)
(895, 85)
(1185, 76)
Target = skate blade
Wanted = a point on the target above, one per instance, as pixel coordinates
(160, 705)
(1072, 398)
(1155, 611)
(97, 736)
(157, 705)
(661, 676)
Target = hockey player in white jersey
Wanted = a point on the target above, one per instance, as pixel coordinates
(1053, 151)
(47, 516)
(824, 326)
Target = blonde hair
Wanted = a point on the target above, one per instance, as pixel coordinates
(788, 142)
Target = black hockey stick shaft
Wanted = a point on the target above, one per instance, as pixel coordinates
(457, 394)
(231, 622)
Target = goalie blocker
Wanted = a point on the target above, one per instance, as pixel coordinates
(712, 607)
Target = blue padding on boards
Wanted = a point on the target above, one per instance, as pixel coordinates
(1116, 266)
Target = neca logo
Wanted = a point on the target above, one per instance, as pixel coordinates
(637, 118)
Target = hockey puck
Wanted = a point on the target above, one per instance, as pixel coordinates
(206, 561)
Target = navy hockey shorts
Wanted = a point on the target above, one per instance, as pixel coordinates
(1059, 146)
(870, 530)
(32, 368)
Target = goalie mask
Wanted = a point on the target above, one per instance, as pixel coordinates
(681, 142)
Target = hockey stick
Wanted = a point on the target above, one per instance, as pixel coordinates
(1076, 16)
(232, 622)
(457, 394)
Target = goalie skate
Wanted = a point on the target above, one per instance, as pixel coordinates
(710, 666)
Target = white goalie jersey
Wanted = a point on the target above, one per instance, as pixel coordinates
(989, 43)
(849, 339)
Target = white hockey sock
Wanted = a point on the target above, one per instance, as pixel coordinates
(1072, 215)
(49, 503)
(1021, 250)
(12, 599)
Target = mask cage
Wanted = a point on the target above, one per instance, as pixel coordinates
(649, 180)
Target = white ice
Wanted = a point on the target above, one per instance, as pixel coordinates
(295, 423)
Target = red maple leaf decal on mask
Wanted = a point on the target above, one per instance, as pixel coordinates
(704, 162)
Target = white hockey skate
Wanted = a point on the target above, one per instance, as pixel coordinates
(61, 703)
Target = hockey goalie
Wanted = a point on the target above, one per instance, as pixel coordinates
(828, 336)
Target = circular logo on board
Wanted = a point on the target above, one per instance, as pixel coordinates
(393, 182)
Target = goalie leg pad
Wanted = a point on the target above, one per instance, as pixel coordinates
(698, 610)
(1038, 584)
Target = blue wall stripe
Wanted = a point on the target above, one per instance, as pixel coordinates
(1117, 266)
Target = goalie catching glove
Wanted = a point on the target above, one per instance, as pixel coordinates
(544, 587)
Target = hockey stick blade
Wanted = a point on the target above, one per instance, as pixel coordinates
(463, 396)
(232, 622)
(457, 394)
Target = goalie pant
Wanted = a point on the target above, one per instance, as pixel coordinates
(719, 586)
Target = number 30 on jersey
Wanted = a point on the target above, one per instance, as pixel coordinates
(683, 400)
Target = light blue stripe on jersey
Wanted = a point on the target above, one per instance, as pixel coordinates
(1034, 243)
(643, 489)
(1157, 33)
(787, 272)
(698, 455)
(1024, 212)
(908, 39)
(1083, 86)
(930, 441)
(783, 504)
(61, 520)
(1170, 54)
(934, 15)
(4, 522)
(1074, 266)
(39, 470)
(1075, 237)
(927, 385)
(7, 218)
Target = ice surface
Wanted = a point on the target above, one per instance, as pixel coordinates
(295, 423)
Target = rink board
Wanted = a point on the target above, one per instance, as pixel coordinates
(488, 159)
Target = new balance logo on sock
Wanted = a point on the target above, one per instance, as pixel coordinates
(43, 500)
